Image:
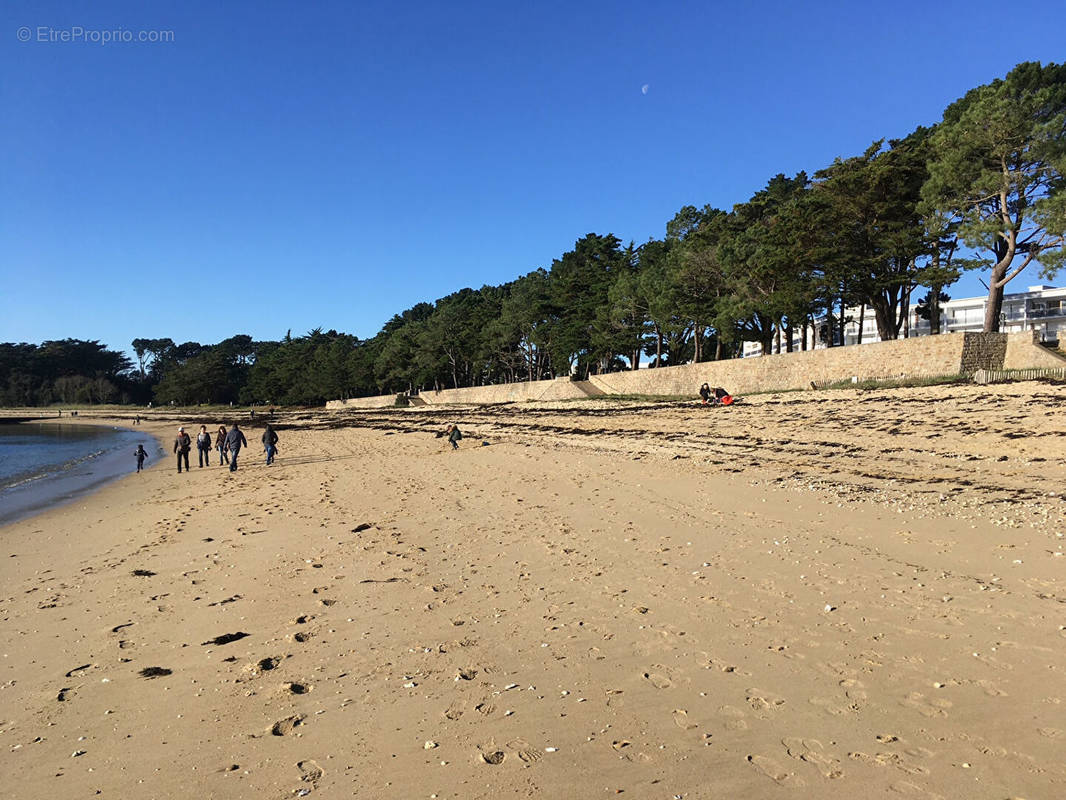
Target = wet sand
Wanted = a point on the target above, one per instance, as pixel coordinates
(831, 594)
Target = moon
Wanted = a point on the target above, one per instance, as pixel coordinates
(644, 89)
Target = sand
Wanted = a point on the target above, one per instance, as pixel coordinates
(826, 595)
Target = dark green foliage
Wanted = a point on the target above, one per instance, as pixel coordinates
(998, 173)
(67, 371)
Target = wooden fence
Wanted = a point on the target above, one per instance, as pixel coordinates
(1030, 374)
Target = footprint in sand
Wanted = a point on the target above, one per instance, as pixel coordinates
(659, 680)
(491, 755)
(681, 720)
(763, 701)
(855, 690)
(910, 790)
(524, 750)
(991, 689)
(772, 770)
(926, 706)
(454, 710)
(310, 771)
(723, 666)
(829, 706)
(265, 664)
(812, 752)
(284, 727)
(734, 718)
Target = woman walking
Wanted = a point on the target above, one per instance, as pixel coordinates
(220, 441)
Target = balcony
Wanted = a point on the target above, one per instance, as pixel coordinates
(1037, 313)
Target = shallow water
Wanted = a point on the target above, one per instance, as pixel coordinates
(45, 465)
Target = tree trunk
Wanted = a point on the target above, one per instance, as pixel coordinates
(658, 346)
(862, 322)
(788, 336)
(934, 311)
(905, 308)
(885, 316)
(994, 306)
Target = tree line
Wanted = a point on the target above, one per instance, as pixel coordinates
(888, 229)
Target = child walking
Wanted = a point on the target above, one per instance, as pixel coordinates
(141, 456)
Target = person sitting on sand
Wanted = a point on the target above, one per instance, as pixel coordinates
(454, 435)
(141, 456)
(705, 393)
(722, 397)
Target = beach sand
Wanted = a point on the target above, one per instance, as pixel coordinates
(823, 594)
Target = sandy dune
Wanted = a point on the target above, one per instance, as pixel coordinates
(826, 595)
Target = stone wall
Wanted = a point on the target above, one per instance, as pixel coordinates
(1024, 351)
(378, 401)
(924, 356)
(983, 351)
(555, 389)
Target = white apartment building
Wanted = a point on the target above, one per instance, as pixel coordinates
(1040, 308)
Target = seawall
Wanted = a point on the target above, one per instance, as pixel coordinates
(924, 356)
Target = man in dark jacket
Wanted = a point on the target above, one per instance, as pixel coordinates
(182, 445)
(270, 443)
(234, 440)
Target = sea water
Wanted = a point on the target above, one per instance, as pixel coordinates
(44, 465)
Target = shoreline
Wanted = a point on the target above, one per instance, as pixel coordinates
(58, 487)
(657, 601)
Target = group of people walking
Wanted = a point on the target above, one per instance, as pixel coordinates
(227, 443)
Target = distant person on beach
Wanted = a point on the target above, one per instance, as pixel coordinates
(454, 435)
(220, 443)
(270, 444)
(234, 440)
(203, 446)
(722, 397)
(137, 420)
(141, 456)
(182, 445)
(705, 393)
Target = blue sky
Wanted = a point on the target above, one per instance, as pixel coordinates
(298, 165)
